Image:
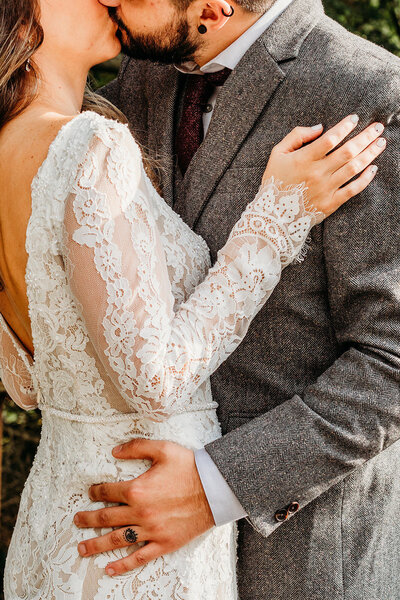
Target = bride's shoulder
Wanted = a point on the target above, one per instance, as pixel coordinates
(97, 123)
(87, 134)
(91, 133)
(88, 127)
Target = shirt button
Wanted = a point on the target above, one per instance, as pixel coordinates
(208, 108)
(293, 507)
(281, 515)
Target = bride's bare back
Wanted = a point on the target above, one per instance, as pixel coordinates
(24, 144)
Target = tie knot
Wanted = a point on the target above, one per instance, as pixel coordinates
(219, 77)
(200, 87)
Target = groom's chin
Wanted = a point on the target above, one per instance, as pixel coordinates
(135, 50)
(131, 48)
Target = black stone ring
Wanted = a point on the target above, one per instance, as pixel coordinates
(130, 536)
(232, 12)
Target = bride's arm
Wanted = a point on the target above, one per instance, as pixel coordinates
(118, 273)
(16, 370)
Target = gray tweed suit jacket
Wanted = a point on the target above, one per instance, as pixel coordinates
(310, 401)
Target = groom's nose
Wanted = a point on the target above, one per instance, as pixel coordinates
(110, 2)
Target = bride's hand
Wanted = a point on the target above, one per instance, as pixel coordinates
(324, 170)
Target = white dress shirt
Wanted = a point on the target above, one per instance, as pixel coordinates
(231, 56)
(224, 505)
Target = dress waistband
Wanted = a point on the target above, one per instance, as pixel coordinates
(116, 418)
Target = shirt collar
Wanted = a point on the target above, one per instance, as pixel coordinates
(231, 56)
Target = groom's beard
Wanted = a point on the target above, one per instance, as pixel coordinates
(171, 45)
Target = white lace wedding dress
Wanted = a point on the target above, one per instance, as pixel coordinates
(125, 337)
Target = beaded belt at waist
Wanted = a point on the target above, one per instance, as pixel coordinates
(118, 417)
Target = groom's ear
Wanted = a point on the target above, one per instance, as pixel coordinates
(214, 14)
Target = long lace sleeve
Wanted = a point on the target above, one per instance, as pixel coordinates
(16, 369)
(118, 274)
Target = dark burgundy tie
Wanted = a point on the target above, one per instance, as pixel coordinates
(190, 133)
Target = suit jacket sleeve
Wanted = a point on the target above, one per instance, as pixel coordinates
(298, 450)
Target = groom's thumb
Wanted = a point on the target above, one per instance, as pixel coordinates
(139, 448)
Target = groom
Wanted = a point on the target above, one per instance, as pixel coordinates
(310, 401)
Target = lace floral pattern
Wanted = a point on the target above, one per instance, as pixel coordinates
(282, 217)
(157, 357)
(16, 369)
(128, 323)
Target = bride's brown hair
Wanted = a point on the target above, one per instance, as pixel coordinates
(21, 34)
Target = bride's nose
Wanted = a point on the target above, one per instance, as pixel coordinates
(110, 2)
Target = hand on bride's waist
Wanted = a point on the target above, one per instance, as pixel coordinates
(165, 507)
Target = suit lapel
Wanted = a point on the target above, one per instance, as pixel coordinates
(241, 101)
(164, 84)
(239, 104)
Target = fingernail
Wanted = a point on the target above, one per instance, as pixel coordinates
(381, 143)
(82, 549)
(76, 520)
(117, 449)
(354, 119)
(110, 572)
(374, 169)
(379, 127)
(317, 127)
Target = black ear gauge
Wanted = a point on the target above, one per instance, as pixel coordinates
(202, 29)
(232, 12)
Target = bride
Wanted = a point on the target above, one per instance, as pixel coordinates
(111, 318)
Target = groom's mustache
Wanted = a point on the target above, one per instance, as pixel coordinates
(169, 45)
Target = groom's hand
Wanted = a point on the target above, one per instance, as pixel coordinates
(165, 507)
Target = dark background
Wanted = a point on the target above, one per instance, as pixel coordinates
(377, 20)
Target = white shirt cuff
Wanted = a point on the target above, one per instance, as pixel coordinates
(224, 505)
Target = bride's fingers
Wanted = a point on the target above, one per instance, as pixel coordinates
(298, 137)
(119, 538)
(137, 559)
(113, 516)
(332, 138)
(359, 164)
(352, 189)
(351, 149)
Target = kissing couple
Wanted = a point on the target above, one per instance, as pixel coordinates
(227, 234)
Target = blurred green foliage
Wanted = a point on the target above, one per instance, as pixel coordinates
(103, 74)
(376, 20)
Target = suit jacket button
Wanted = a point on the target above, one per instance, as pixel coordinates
(293, 507)
(281, 515)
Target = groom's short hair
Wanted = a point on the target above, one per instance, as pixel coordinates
(255, 6)
(252, 6)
